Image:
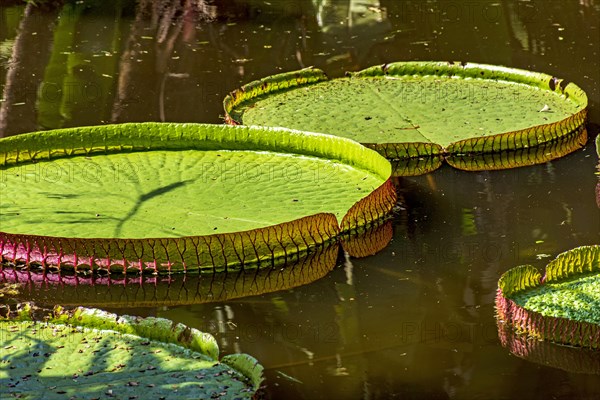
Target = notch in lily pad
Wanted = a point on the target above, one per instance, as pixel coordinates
(426, 111)
(563, 306)
(148, 196)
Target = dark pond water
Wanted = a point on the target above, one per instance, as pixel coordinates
(417, 319)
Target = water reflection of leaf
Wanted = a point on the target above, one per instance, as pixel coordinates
(416, 166)
(149, 291)
(522, 157)
(152, 291)
(570, 359)
(370, 242)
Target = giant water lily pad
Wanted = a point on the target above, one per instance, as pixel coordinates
(182, 197)
(563, 306)
(88, 353)
(420, 109)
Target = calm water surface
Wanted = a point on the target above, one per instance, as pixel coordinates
(415, 320)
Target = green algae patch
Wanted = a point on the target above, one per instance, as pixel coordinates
(88, 353)
(181, 197)
(419, 109)
(563, 306)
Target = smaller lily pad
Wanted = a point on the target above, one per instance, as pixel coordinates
(57, 354)
(563, 306)
(409, 110)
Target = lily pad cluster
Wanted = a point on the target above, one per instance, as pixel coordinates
(458, 112)
(563, 306)
(182, 197)
(89, 353)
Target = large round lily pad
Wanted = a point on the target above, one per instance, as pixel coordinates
(563, 306)
(419, 109)
(89, 353)
(182, 196)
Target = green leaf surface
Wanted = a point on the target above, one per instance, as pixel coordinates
(193, 192)
(162, 193)
(413, 109)
(575, 299)
(183, 195)
(88, 353)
